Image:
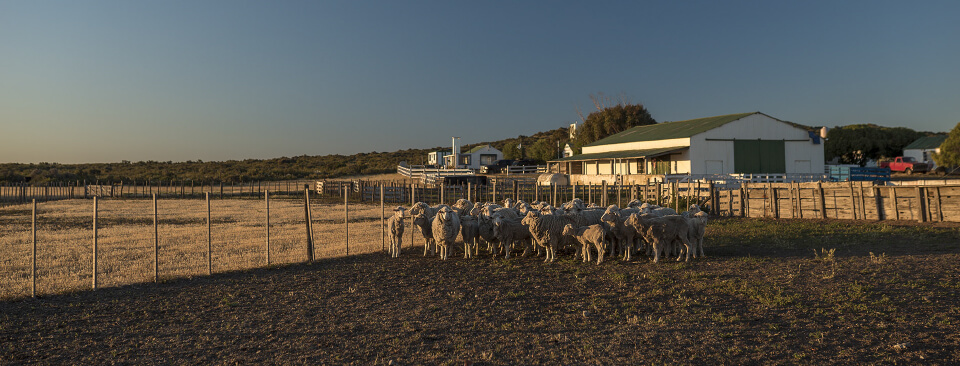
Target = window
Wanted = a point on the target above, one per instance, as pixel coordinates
(465, 159)
(661, 165)
(487, 159)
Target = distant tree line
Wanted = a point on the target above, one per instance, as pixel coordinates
(855, 144)
(285, 168)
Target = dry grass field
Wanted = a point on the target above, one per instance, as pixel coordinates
(126, 239)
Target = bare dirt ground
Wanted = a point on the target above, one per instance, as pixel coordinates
(769, 292)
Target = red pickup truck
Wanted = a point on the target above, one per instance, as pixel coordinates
(905, 164)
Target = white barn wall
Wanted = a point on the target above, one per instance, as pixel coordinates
(755, 126)
(917, 154)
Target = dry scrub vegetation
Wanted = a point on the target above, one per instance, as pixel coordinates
(126, 239)
(769, 292)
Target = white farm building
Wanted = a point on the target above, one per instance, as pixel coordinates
(922, 149)
(745, 143)
(475, 157)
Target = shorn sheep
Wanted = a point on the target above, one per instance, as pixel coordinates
(395, 228)
(446, 227)
(593, 235)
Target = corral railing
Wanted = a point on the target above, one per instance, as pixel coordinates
(191, 236)
(423, 173)
(20, 193)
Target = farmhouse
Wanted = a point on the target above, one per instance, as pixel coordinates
(475, 157)
(921, 148)
(436, 158)
(745, 143)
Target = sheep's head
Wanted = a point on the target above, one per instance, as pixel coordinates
(529, 219)
(694, 208)
(419, 219)
(568, 230)
(610, 216)
(497, 228)
(419, 208)
(398, 211)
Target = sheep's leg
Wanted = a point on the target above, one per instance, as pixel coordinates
(585, 253)
(507, 245)
(657, 247)
(599, 254)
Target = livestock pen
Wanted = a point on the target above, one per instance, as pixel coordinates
(73, 244)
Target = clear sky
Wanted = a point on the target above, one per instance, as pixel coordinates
(105, 81)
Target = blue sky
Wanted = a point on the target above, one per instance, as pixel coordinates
(105, 81)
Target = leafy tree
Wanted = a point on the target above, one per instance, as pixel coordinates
(608, 120)
(854, 144)
(950, 149)
(543, 150)
(510, 150)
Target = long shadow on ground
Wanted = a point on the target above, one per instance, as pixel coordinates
(759, 298)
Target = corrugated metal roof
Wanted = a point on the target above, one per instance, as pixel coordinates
(478, 148)
(927, 142)
(622, 154)
(670, 130)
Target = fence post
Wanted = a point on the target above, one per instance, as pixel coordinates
(469, 192)
(413, 200)
(823, 202)
(936, 194)
(306, 216)
(209, 240)
(383, 218)
(896, 207)
(743, 200)
(921, 205)
(346, 222)
(33, 262)
(553, 193)
(878, 203)
(156, 242)
(266, 202)
(95, 242)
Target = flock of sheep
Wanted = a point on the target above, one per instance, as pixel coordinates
(539, 227)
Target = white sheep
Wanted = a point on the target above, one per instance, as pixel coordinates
(662, 232)
(486, 232)
(547, 231)
(698, 227)
(509, 232)
(446, 227)
(424, 222)
(593, 235)
(469, 231)
(463, 207)
(395, 229)
(623, 236)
